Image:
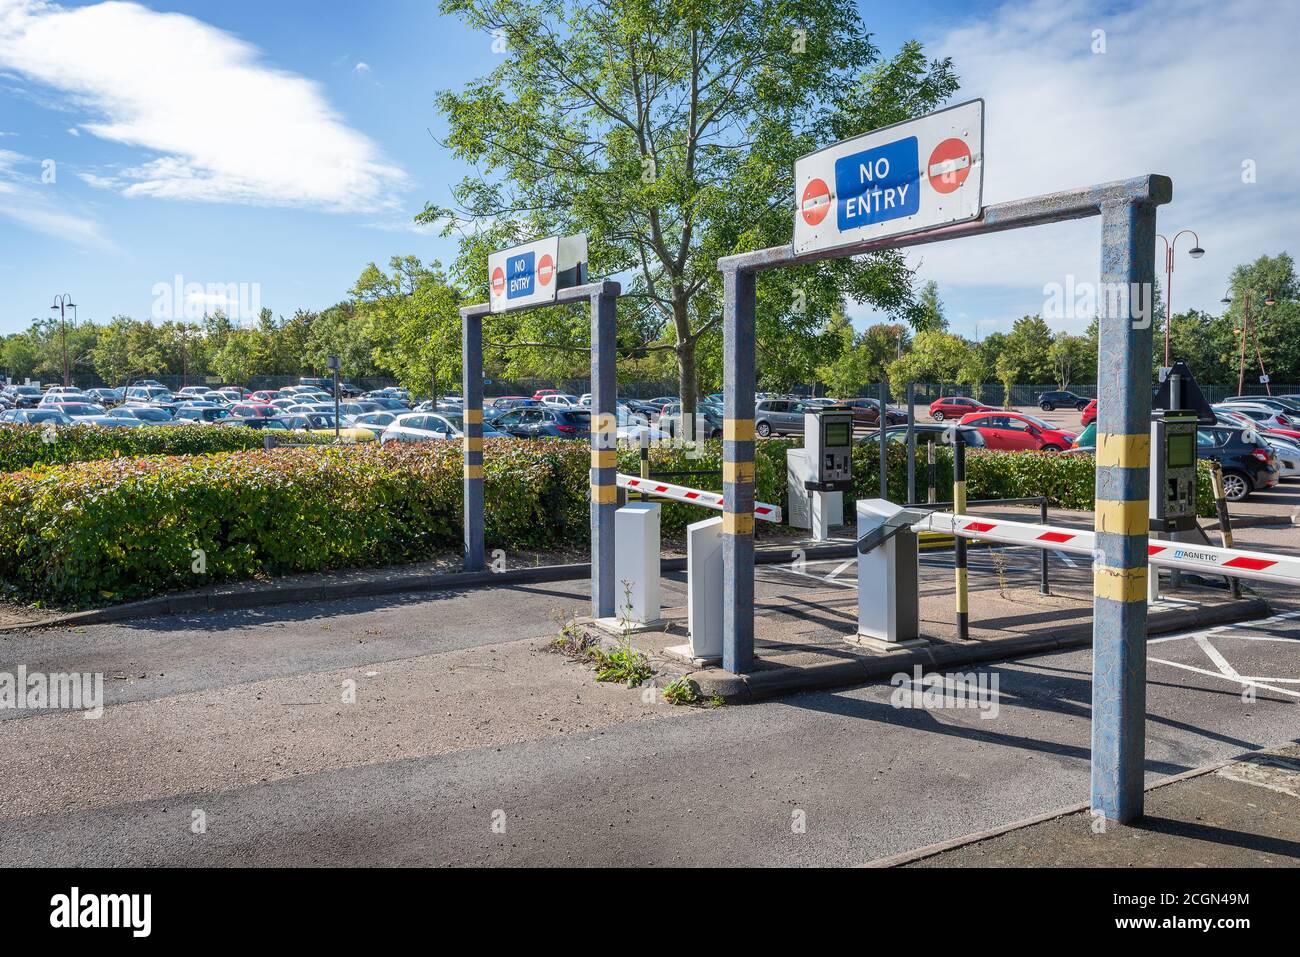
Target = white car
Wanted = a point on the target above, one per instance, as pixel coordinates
(427, 426)
(559, 400)
(1267, 416)
(1288, 454)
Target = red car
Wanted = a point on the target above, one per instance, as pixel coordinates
(1089, 414)
(954, 407)
(1012, 431)
(542, 393)
(253, 410)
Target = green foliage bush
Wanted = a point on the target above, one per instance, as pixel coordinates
(113, 529)
(99, 532)
(24, 446)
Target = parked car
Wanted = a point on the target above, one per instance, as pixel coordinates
(533, 423)
(147, 414)
(972, 438)
(955, 406)
(1089, 414)
(253, 410)
(778, 417)
(374, 421)
(76, 410)
(149, 393)
(195, 390)
(25, 396)
(1225, 416)
(560, 400)
(1050, 401)
(1267, 416)
(866, 412)
(35, 417)
(543, 393)
(322, 423)
(1012, 431)
(107, 397)
(1287, 404)
(201, 413)
(268, 422)
(1248, 464)
(428, 426)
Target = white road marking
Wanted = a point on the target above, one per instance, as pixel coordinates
(1215, 674)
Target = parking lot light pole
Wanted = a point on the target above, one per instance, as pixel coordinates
(333, 363)
(1196, 252)
(62, 303)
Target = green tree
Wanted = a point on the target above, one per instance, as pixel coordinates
(667, 133)
(1029, 344)
(1069, 355)
(929, 309)
(411, 314)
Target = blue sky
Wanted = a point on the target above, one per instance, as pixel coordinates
(294, 148)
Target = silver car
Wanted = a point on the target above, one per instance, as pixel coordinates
(778, 417)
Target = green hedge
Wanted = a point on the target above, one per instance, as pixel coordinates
(98, 532)
(25, 446)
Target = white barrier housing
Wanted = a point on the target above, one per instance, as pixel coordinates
(636, 564)
(704, 588)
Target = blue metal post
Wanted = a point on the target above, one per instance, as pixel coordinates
(604, 450)
(739, 306)
(472, 386)
(1123, 464)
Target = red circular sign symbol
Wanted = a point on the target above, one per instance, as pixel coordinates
(545, 269)
(950, 164)
(498, 281)
(816, 202)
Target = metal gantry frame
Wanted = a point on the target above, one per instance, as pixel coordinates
(603, 297)
(1128, 214)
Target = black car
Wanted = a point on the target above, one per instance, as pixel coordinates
(1051, 400)
(926, 432)
(533, 423)
(25, 396)
(1248, 464)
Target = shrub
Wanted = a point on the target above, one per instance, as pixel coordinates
(25, 446)
(97, 532)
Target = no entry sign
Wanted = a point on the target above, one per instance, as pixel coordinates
(531, 274)
(905, 178)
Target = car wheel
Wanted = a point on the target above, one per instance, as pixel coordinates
(937, 416)
(1235, 486)
(715, 434)
(763, 429)
(1047, 407)
(1051, 448)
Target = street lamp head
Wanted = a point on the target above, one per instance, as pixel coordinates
(1269, 300)
(1196, 252)
(1226, 301)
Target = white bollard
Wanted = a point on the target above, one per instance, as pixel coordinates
(704, 588)
(636, 564)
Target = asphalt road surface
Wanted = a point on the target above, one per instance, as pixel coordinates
(229, 739)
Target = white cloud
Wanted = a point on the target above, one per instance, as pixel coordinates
(221, 125)
(1190, 90)
(362, 68)
(73, 131)
(31, 205)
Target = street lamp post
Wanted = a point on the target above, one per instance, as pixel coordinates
(1196, 252)
(62, 303)
(1248, 328)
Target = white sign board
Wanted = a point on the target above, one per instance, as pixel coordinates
(904, 178)
(531, 274)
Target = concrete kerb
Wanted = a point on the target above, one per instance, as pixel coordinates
(360, 583)
(768, 683)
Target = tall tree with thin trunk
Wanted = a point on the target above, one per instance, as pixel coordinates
(667, 132)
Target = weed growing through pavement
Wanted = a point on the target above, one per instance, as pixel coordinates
(686, 691)
(1000, 565)
(624, 664)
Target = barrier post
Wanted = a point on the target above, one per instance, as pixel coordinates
(931, 496)
(739, 307)
(472, 387)
(911, 443)
(884, 450)
(1225, 520)
(1120, 569)
(1043, 587)
(645, 458)
(959, 544)
(604, 451)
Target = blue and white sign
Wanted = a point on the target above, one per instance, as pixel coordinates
(531, 274)
(913, 176)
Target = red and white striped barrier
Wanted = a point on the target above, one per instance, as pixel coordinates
(1206, 559)
(693, 496)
